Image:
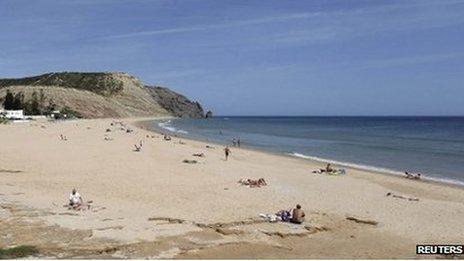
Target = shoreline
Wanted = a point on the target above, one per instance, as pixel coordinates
(151, 204)
(148, 125)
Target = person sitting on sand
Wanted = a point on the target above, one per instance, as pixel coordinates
(75, 199)
(227, 152)
(167, 137)
(298, 215)
(328, 168)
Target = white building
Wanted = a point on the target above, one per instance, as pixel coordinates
(14, 114)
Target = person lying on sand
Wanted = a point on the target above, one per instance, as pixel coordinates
(298, 215)
(201, 155)
(253, 183)
(167, 137)
(333, 172)
(401, 197)
(75, 199)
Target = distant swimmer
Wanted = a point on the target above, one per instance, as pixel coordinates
(227, 152)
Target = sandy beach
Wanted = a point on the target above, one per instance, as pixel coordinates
(149, 204)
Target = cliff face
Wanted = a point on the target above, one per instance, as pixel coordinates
(175, 103)
(100, 95)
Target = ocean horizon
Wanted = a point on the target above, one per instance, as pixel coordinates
(430, 145)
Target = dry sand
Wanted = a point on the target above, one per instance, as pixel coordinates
(150, 204)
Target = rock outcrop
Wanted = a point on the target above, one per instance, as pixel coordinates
(175, 103)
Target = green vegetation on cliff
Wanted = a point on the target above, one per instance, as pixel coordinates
(100, 83)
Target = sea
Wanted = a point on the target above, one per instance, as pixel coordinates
(432, 146)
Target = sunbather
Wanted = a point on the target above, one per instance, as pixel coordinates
(75, 199)
(401, 197)
(201, 155)
(253, 183)
(298, 215)
(328, 168)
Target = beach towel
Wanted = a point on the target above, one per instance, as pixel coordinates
(337, 172)
(270, 217)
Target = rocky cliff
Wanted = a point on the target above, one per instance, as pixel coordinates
(101, 95)
(175, 103)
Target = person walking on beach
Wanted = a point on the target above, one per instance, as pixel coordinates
(238, 142)
(227, 152)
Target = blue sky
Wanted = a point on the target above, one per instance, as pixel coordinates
(254, 57)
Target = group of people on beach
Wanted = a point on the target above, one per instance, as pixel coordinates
(295, 215)
(329, 170)
(236, 142)
(412, 176)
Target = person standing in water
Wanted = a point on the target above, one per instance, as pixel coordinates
(238, 142)
(227, 152)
